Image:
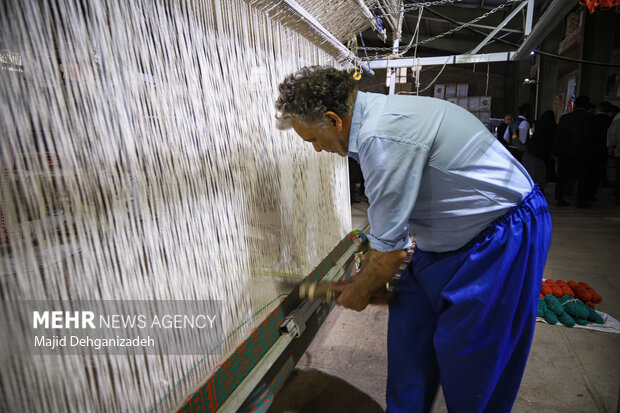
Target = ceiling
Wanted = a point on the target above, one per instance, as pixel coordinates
(442, 18)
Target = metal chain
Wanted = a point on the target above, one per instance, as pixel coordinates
(415, 6)
(454, 30)
(464, 25)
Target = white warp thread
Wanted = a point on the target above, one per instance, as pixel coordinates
(140, 160)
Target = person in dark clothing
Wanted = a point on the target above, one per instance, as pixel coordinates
(501, 129)
(613, 145)
(591, 108)
(540, 146)
(602, 120)
(517, 133)
(575, 150)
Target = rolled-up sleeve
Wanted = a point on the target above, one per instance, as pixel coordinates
(392, 173)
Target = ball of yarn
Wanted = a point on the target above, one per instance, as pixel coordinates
(581, 290)
(594, 316)
(542, 308)
(544, 312)
(553, 287)
(596, 298)
(575, 308)
(556, 307)
(545, 289)
(585, 293)
(566, 290)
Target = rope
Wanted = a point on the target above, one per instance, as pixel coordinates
(570, 59)
(416, 69)
(415, 36)
(365, 52)
(486, 89)
(432, 81)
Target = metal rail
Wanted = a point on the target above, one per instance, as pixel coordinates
(292, 327)
(441, 60)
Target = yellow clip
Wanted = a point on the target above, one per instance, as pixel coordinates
(357, 75)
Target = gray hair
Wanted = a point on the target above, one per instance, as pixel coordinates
(310, 92)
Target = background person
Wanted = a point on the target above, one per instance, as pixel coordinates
(517, 133)
(501, 129)
(538, 149)
(575, 148)
(613, 145)
(602, 121)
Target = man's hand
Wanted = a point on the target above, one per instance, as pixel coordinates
(352, 294)
(369, 284)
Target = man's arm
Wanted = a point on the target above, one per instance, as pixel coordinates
(377, 269)
(393, 171)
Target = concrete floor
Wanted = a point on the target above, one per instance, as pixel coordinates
(569, 370)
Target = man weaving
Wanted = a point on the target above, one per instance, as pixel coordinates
(464, 310)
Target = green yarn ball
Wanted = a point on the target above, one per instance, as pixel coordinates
(594, 316)
(550, 317)
(544, 312)
(567, 310)
(575, 308)
(542, 307)
(567, 320)
(556, 307)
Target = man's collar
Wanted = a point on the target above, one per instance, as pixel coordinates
(356, 123)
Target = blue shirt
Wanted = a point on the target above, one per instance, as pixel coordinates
(431, 169)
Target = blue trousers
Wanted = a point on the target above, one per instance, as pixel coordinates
(466, 318)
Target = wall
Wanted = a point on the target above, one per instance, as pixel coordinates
(549, 70)
(597, 46)
(475, 75)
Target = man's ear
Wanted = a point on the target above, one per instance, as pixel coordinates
(334, 119)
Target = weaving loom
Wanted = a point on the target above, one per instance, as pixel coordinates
(140, 161)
